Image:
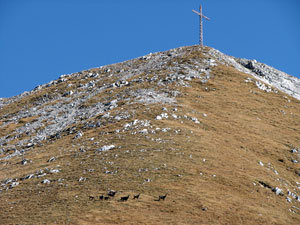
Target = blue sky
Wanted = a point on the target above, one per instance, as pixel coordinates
(42, 39)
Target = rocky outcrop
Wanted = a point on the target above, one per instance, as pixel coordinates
(263, 72)
(273, 77)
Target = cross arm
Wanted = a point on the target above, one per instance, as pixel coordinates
(196, 12)
(205, 17)
(200, 14)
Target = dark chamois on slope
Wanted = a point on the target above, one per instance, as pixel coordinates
(136, 196)
(162, 197)
(124, 198)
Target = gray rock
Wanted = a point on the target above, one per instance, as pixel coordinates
(289, 199)
(144, 131)
(78, 135)
(51, 159)
(105, 148)
(46, 181)
(54, 171)
(25, 161)
(29, 176)
(14, 184)
(82, 179)
(278, 191)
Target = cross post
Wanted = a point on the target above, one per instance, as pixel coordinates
(201, 24)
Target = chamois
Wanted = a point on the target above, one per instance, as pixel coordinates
(125, 198)
(162, 197)
(136, 196)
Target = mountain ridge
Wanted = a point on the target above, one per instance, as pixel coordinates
(256, 69)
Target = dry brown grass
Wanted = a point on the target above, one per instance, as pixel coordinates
(241, 128)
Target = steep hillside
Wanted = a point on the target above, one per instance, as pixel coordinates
(217, 134)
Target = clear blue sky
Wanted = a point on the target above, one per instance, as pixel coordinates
(42, 39)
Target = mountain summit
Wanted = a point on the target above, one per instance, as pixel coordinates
(186, 136)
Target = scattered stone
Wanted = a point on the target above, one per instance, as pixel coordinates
(25, 161)
(194, 119)
(60, 180)
(51, 159)
(144, 131)
(81, 149)
(41, 175)
(105, 148)
(78, 135)
(248, 80)
(82, 179)
(29, 176)
(294, 150)
(278, 191)
(14, 184)
(46, 181)
(158, 117)
(263, 87)
(293, 195)
(29, 145)
(54, 171)
(69, 93)
(166, 129)
(162, 116)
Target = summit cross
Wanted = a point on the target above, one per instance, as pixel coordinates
(201, 24)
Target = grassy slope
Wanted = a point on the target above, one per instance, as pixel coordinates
(241, 129)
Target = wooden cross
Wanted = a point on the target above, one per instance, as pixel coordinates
(201, 25)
